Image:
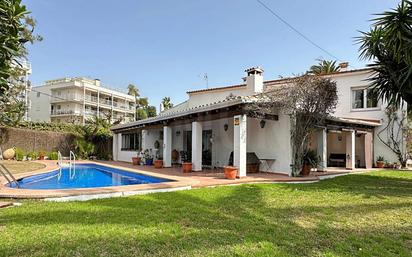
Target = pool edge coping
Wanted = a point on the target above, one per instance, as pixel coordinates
(16, 193)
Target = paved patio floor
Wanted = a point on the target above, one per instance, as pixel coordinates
(207, 178)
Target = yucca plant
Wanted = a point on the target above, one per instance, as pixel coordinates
(389, 46)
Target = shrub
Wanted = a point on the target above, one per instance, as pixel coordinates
(32, 155)
(53, 156)
(83, 148)
(19, 154)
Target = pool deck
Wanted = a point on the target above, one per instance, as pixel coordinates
(182, 181)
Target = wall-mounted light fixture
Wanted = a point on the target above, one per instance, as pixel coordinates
(225, 127)
(178, 133)
(262, 123)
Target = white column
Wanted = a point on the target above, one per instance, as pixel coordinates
(322, 149)
(196, 146)
(350, 150)
(167, 146)
(240, 144)
(144, 139)
(112, 109)
(115, 146)
(84, 105)
(98, 103)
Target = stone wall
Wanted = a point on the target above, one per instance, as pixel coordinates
(33, 140)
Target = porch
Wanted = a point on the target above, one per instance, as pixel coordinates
(212, 142)
(344, 144)
(215, 177)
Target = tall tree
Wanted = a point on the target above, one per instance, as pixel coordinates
(324, 67)
(133, 90)
(16, 29)
(308, 100)
(389, 45)
(166, 102)
(151, 111)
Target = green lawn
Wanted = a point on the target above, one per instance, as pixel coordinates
(357, 215)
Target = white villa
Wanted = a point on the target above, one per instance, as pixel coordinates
(77, 100)
(214, 128)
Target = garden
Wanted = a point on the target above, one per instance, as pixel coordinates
(366, 214)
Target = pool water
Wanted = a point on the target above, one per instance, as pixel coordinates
(86, 176)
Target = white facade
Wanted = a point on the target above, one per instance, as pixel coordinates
(197, 120)
(75, 100)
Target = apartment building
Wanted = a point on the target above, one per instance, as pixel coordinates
(22, 84)
(78, 100)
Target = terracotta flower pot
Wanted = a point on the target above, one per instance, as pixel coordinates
(187, 167)
(41, 157)
(380, 164)
(230, 172)
(136, 160)
(306, 170)
(158, 164)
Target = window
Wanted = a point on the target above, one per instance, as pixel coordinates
(364, 98)
(132, 141)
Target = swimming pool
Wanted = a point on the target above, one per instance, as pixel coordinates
(86, 176)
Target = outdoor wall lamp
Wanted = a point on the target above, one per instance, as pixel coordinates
(262, 123)
(225, 127)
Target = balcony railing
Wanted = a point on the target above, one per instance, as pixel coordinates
(65, 112)
(91, 112)
(91, 98)
(66, 97)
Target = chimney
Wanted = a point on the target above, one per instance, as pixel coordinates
(343, 66)
(254, 80)
(161, 107)
(97, 82)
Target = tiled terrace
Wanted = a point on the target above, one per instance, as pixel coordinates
(207, 178)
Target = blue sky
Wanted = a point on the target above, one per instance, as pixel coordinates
(164, 47)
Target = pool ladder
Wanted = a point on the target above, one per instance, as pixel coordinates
(9, 177)
(72, 164)
(59, 163)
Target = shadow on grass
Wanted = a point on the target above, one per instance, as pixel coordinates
(243, 220)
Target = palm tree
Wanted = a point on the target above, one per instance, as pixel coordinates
(324, 67)
(143, 102)
(389, 45)
(167, 103)
(133, 90)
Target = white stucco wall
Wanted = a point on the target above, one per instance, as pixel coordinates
(272, 142)
(345, 83)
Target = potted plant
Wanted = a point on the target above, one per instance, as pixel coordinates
(41, 155)
(148, 157)
(158, 163)
(230, 172)
(310, 160)
(136, 159)
(186, 162)
(187, 167)
(397, 166)
(380, 162)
